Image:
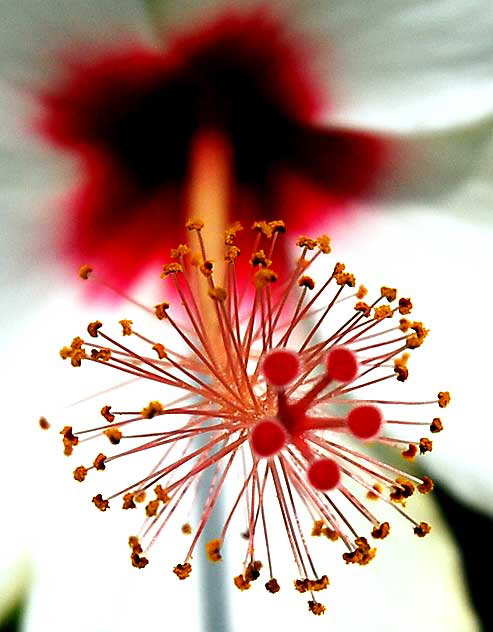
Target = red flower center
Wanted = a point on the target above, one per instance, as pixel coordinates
(132, 115)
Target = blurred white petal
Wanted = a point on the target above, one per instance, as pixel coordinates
(406, 66)
(444, 263)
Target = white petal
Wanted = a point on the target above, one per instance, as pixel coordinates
(405, 66)
(406, 570)
(33, 33)
(473, 198)
(444, 263)
(411, 65)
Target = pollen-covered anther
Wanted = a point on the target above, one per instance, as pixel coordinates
(77, 343)
(126, 326)
(93, 327)
(213, 550)
(109, 416)
(277, 226)
(330, 534)
(264, 277)
(375, 495)
(425, 445)
(410, 452)
(426, 486)
(405, 306)
(152, 409)
(272, 586)
(414, 341)
(76, 357)
(315, 585)
(207, 268)
(318, 584)
(400, 368)
(232, 253)
(422, 529)
(338, 268)
(171, 268)
(443, 399)
(263, 227)
(101, 503)
(101, 355)
(381, 532)
(151, 508)
(218, 294)
(128, 501)
(160, 310)
(181, 251)
(252, 571)
(267, 438)
(259, 258)
(345, 278)
(114, 435)
(194, 224)
(301, 585)
(317, 528)
(306, 242)
(80, 473)
(404, 489)
(306, 282)
(161, 494)
(182, 571)
(280, 367)
(404, 325)
(160, 350)
(74, 352)
(140, 496)
(365, 421)
(138, 561)
(241, 583)
(324, 244)
(316, 608)
(363, 307)
(362, 292)
(85, 271)
(186, 528)
(99, 462)
(390, 293)
(69, 440)
(65, 353)
(341, 364)
(43, 423)
(436, 425)
(362, 555)
(134, 544)
(323, 474)
(230, 233)
(420, 329)
(382, 311)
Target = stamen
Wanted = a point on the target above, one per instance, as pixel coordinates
(242, 391)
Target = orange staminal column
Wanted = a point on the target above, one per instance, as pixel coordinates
(209, 189)
(209, 184)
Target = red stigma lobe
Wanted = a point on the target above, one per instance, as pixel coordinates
(267, 438)
(281, 367)
(365, 422)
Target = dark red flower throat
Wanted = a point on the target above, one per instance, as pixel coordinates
(132, 115)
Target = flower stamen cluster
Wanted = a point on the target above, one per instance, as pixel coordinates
(266, 370)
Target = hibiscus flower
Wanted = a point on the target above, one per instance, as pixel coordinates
(380, 71)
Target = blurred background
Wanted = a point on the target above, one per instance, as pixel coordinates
(372, 122)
